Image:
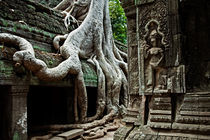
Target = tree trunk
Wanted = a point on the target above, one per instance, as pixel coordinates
(93, 41)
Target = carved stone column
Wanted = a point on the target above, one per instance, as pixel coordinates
(18, 111)
(133, 77)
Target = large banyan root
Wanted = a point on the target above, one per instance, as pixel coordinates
(92, 41)
(100, 50)
(71, 65)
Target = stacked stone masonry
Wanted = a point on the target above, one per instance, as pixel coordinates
(169, 89)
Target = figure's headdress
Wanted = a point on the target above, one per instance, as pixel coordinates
(154, 25)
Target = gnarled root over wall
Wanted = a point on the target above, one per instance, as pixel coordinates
(92, 41)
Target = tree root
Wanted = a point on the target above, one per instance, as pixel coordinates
(101, 131)
(92, 40)
(71, 65)
(85, 126)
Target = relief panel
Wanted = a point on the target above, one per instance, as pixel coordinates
(157, 75)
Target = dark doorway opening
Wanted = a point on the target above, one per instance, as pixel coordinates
(54, 105)
(195, 23)
(146, 111)
(49, 105)
(92, 97)
(4, 113)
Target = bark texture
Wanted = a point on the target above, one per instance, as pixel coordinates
(93, 41)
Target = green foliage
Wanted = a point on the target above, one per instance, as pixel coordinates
(16, 136)
(50, 62)
(118, 20)
(1, 46)
(5, 23)
(117, 15)
(39, 48)
(31, 7)
(14, 29)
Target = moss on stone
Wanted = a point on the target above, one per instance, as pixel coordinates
(25, 27)
(90, 75)
(1, 46)
(4, 22)
(31, 7)
(39, 48)
(6, 69)
(50, 62)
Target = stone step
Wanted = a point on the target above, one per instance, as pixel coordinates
(57, 138)
(160, 125)
(191, 127)
(160, 118)
(160, 112)
(198, 109)
(129, 119)
(198, 94)
(132, 113)
(193, 120)
(161, 107)
(195, 113)
(196, 104)
(147, 134)
(196, 99)
(163, 100)
(69, 134)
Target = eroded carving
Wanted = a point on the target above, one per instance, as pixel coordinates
(155, 75)
(154, 47)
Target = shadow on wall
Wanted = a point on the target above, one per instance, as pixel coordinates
(54, 105)
(49, 3)
(195, 17)
(4, 113)
(49, 105)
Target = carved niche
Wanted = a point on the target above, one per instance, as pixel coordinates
(155, 47)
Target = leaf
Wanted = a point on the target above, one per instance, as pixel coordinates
(118, 20)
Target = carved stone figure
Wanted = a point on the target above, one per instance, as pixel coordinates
(154, 57)
(91, 41)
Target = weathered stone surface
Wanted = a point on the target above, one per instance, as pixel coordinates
(8, 72)
(159, 73)
(180, 58)
(33, 14)
(122, 132)
(139, 2)
(50, 3)
(195, 46)
(57, 138)
(72, 134)
(40, 35)
(38, 25)
(18, 111)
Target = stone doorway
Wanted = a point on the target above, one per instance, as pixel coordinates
(54, 105)
(49, 105)
(195, 24)
(4, 113)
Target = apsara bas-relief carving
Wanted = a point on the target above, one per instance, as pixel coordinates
(154, 47)
(156, 75)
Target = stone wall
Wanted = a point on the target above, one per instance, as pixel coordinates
(32, 21)
(196, 29)
(180, 109)
(39, 25)
(49, 3)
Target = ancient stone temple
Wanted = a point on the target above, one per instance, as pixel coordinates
(168, 58)
(62, 76)
(25, 100)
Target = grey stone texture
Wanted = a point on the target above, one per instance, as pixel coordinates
(176, 105)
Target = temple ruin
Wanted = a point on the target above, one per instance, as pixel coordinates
(158, 84)
(169, 89)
